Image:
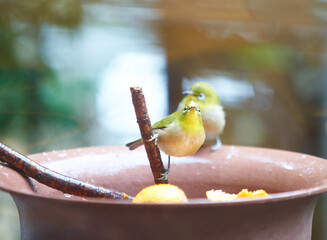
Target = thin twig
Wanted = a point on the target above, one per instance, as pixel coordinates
(29, 180)
(143, 120)
(55, 180)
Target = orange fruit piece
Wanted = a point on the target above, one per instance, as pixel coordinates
(219, 195)
(161, 193)
(257, 193)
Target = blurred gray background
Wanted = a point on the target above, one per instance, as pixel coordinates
(66, 67)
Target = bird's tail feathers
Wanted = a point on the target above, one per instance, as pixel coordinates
(135, 144)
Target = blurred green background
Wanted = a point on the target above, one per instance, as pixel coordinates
(66, 67)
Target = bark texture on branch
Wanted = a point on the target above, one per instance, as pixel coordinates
(143, 120)
(26, 166)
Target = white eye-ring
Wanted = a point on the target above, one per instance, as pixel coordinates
(201, 96)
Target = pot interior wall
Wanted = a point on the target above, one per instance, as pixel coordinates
(230, 168)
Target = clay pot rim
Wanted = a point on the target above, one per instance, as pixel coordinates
(274, 197)
(201, 202)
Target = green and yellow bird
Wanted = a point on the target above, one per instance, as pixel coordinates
(179, 134)
(213, 114)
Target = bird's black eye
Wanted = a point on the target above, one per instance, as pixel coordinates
(201, 96)
(185, 109)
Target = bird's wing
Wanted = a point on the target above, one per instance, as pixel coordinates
(163, 123)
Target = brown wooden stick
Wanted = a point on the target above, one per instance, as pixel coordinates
(143, 120)
(29, 180)
(55, 180)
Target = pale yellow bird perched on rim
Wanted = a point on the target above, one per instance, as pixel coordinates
(179, 134)
(213, 114)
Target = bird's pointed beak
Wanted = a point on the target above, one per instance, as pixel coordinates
(188, 92)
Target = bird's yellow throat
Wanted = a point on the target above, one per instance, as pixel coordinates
(191, 122)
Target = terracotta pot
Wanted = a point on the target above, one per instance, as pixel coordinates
(293, 180)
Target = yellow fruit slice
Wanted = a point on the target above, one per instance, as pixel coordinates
(257, 193)
(219, 195)
(160, 193)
